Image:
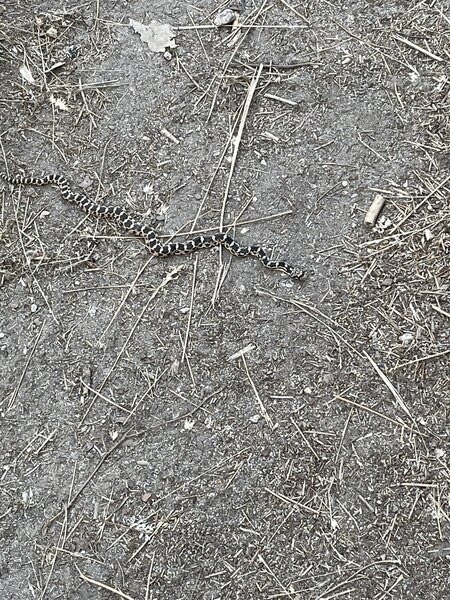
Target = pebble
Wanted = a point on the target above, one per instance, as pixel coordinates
(226, 17)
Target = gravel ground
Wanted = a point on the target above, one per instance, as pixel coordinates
(200, 427)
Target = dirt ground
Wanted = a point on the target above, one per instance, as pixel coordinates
(201, 427)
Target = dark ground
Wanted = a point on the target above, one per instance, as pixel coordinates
(195, 428)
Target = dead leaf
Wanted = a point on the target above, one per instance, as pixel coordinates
(26, 73)
(157, 36)
(52, 32)
(58, 103)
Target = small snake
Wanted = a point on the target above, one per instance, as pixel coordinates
(155, 245)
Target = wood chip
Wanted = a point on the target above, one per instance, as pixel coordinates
(372, 214)
(280, 99)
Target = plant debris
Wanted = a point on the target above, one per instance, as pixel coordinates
(158, 36)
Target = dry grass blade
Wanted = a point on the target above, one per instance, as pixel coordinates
(263, 409)
(14, 394)
(103, 586)
(418, 48)
(168, 278)
(317, 315)
(236, 142)
(378, 414)
(184, 463)
(389, 385)
(191, 306)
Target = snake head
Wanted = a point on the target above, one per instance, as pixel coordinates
(298, 273)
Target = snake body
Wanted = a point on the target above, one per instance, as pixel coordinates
(154, 244)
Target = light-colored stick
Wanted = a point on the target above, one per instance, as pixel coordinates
(237, 141)
(418, 48)
(262, 408)
(239, 353)
(377, 413)
(280, 99)
(170, 136)
(374, 211)
(389, 385)
(251, 91)
(103, 585)
(191, 306)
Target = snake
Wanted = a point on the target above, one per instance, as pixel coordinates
(155, 246)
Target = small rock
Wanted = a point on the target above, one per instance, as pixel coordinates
(86, 183)
(226, 17)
